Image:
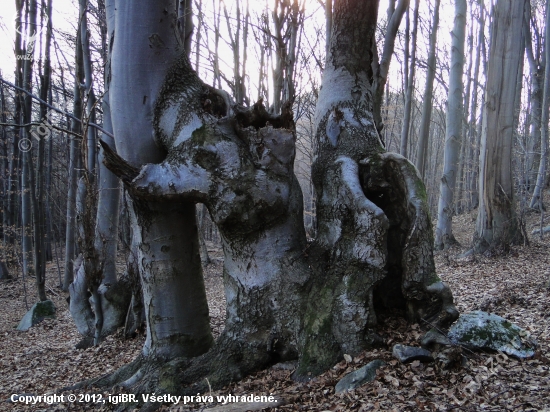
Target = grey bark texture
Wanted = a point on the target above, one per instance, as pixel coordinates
(74, 154)
(423, 134)
(453, 134)
(110, 296)
(496, 225)
(536, 201)
(382, 68)
(409, 93)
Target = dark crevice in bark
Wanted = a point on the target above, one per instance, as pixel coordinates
(386, 192)
(259, 117)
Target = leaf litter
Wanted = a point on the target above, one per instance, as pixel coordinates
(515, 286)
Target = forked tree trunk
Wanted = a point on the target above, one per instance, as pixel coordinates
(496, 225)
(285, 300)
(374, 242)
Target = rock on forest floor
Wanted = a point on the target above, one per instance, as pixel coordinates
(515, 286)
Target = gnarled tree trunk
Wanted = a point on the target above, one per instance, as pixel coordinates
(285, 299)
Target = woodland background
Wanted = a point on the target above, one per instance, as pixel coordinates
(274, 51)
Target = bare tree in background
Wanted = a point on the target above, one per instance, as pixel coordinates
(453, 136)
(496, 225)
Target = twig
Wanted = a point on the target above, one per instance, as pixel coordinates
(55, 108)
(38, 124)
(445, 334)
(53, 291)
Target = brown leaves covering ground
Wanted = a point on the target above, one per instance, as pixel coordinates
(515, 286)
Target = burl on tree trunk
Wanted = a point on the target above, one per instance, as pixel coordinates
(286, 299)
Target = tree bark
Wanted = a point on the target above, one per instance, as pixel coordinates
(496, 225)
(98, 272)
(165, 232)
(409, 94)
(428, 97)
(536, 201)
(537, 63)
(472, 123)
(453, 135)
(382, 68)
(26, 163)
(73, 172)
(359, 240)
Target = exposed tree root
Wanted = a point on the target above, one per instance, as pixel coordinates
(228, 361)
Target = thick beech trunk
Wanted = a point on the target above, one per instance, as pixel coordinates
(165, 232)
(374, 228)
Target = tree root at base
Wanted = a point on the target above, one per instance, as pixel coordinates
(228, 361)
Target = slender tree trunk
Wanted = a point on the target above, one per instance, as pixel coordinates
(428, 98)
(410, 87)
(14, 160)
(198, 33)
(475, 193)
(463, 165)
(537, 62)
(74, 156)
(26, 217)
(395, 15)
(536, 201)
(185, 23)
(328, 24)
(472, 123)
(453, 134)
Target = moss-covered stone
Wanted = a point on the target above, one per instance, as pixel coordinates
(486, 331)
(39, 312)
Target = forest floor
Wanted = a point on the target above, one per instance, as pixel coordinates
(515, 286)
